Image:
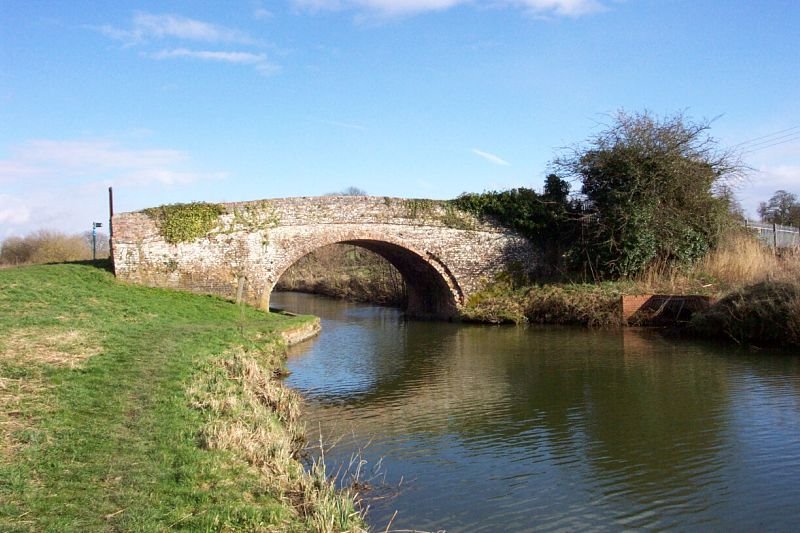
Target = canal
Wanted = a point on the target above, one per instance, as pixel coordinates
(482, 428)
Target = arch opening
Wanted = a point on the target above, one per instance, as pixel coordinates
(431, 292)
(348, 272)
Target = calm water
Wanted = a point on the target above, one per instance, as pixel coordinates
(480, 428)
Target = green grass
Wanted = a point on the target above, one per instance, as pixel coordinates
(97, 431)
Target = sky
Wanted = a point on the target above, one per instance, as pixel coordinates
(181, 101)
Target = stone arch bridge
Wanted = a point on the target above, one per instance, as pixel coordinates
(444, 254)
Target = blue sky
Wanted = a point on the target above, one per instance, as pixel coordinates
(241, 100)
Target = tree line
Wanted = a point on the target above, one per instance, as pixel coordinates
(45, 246)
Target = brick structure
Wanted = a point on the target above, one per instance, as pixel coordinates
(443, 254)
(661, 309)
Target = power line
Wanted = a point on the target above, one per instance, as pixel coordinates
(760, 146)
(774, 139)
(767, 137)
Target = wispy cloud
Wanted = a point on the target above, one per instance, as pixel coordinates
(492, 158)
(260, 12)
(49, 183)
(565, 8)
(147, 30)
(260, 61)
(57, 161)
(561, 8)
(12, 210)
(146, 27)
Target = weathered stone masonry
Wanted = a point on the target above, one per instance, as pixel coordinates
(444, 255)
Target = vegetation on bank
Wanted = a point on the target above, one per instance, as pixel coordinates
(757, 296)
(131, 408)
(347, 272)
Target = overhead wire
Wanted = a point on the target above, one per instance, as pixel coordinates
(759, 147)
(767, 136)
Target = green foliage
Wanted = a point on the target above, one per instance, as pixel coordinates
(501, 302)
(418, 208)
(650, 188)
(542, 218)
(185, 222)
(254, 217)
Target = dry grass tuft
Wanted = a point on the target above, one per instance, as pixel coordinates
(51, 346)
(741, 260)
(738, 260)
(17, 397)
(767, 313)
(588, 305)
(251, 414)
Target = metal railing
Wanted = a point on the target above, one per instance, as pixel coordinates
(775, 235)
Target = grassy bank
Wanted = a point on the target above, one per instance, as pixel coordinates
(757, 293)
(128, 408)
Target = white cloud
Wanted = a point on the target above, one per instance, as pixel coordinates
(491, 157)
(569, 8)
(56, 161)
(260, 61)
(62, 184)
(12, 210)
(146, 27)
(564, 8)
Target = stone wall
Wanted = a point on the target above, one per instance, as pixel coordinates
(444, 254)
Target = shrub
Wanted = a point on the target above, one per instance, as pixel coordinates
(44, 246)
(649, 185)
(766, 313)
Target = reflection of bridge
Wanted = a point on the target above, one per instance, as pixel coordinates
(443, 254)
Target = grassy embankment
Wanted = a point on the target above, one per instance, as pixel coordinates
(129, 408)
(758, 296)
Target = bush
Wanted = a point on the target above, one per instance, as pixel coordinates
(649, 185)
(46, 247)
(767, 313)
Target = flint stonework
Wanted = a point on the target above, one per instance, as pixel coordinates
(444, 255)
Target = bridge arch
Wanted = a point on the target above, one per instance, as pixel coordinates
(433, 291)
(445, 255)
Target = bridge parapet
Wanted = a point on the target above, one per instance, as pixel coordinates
(443, 254)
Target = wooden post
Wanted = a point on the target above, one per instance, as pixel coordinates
(775, 237)
(110, 224)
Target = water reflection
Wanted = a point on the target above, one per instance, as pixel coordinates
(546, 428)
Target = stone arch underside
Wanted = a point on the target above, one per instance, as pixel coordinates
(433, 291)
